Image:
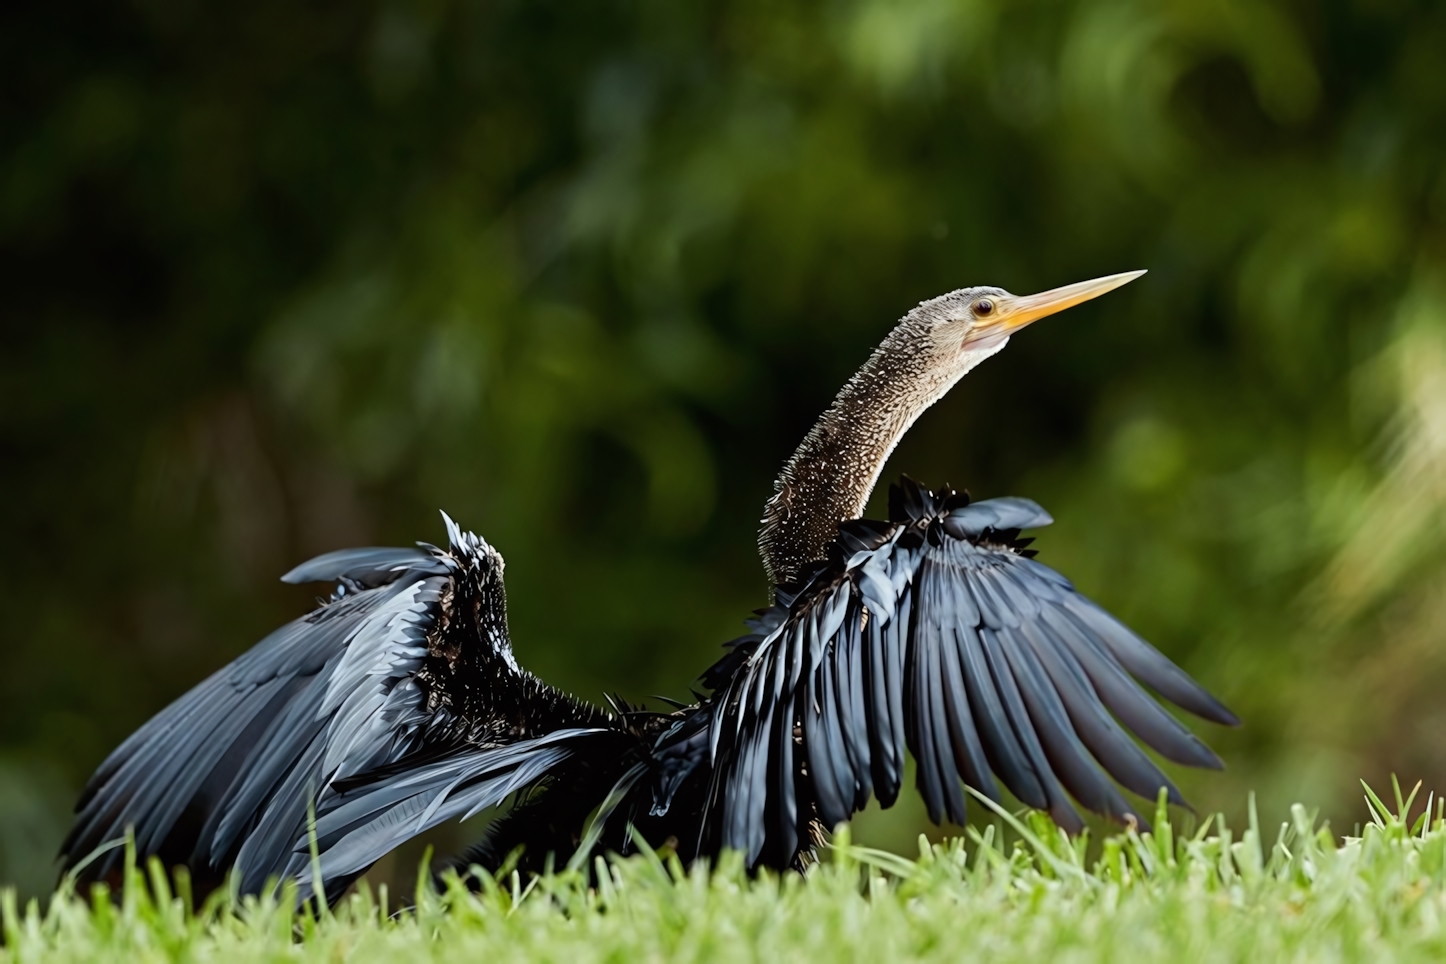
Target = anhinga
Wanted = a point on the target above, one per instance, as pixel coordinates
(397, 704)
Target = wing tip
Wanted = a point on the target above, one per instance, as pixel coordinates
(1200, 702)
(1224, 716)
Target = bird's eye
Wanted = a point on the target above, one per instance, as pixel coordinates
(983, 307)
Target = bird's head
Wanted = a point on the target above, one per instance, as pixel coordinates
(964, 327)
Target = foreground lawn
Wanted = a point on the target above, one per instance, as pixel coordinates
(1280, 893)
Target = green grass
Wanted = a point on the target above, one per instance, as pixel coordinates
(1017, 891)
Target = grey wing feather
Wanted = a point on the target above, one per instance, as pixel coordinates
(971, 521)
(358, 826)
(371, 567)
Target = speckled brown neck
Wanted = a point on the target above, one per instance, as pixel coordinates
(832, 473)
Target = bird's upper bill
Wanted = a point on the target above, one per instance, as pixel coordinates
(1013, 312)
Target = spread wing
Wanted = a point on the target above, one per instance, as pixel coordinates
(938, 633)
(223, 777)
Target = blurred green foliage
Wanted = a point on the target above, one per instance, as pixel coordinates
(283, 277)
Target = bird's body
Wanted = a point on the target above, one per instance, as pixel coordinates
(398, 704)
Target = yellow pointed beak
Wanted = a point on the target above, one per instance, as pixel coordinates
(1013, 312)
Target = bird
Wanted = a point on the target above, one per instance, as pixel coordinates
(397, 704)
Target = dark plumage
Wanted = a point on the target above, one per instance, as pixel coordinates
(397, 705)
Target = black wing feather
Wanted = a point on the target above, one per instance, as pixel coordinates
(784, 782)
(1149, 664)
(1017, 718)
(886, 764)
(853, 712)
(1124, 697)
(1063, 750)
(969, 755)
(1106, 741)
(833, 801)
(1002, 747)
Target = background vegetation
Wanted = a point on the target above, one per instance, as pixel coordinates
(281, 277)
